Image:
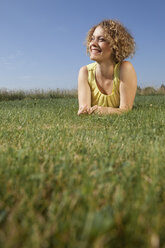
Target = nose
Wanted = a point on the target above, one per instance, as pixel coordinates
(93, 42)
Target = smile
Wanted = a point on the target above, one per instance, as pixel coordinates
(95, 49)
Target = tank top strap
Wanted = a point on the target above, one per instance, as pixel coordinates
(91, 73)
(117, 71)
(117, 75)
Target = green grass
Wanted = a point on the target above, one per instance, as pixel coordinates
(81, 181)
(35, 94)
(7, 95)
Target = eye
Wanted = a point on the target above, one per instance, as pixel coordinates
(101, 39)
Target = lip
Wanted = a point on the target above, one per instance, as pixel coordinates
(95, 49)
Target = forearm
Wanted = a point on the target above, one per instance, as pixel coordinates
(84, 93)
(111, 110)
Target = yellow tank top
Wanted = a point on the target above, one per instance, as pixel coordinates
(97, 97)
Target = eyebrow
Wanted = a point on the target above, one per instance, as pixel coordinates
(98, 36)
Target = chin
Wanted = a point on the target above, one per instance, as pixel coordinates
(95, 58)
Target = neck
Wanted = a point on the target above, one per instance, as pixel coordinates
(105, 70)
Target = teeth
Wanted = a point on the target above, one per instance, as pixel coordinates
(96, 50)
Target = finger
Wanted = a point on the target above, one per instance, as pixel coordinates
(92, 109)
(82, 110)
(98, 110)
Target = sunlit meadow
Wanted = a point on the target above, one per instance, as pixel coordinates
(81, 181)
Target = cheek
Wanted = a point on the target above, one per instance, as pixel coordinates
(107, 51)
(107, 48)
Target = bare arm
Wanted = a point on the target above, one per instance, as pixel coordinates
(128, 86)
(84, 92)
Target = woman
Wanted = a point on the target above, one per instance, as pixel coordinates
(109, 85)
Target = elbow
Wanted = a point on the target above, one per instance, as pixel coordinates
(125, 109)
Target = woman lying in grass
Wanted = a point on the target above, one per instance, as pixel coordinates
(107, 86)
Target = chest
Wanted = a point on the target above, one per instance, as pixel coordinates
(105, 87)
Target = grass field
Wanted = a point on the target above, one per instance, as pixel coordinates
(81, 181)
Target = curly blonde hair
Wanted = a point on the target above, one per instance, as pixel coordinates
(121, 41)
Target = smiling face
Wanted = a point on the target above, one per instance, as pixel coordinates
(99, 48)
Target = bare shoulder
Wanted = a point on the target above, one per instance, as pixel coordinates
(126, 67)
(83, 75)
(83, 70)
(127, 70)
(128, 85)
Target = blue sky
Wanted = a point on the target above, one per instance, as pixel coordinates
(42, 41)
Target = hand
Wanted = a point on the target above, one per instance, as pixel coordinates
(83, 110)
(100, 110)
(87, 110)
(90, 110)
(93, 109)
